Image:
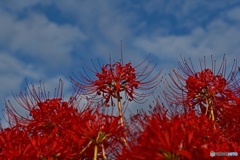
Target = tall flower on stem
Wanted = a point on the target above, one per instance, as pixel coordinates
(115, 78)
(209, 91)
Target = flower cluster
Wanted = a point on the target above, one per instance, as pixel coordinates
(182, 136)
(57, 129)
(199, 112)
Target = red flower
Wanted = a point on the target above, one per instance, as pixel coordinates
(56, 129)
(116, 78)
(112, 80)
(15, 144)
(187, 136)
(101, 132)
(45, 133)
(207, 91)
(201, 114)
(210, 92)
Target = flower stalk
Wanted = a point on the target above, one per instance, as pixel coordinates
(95, 152)
(122, 123)
(103, 152)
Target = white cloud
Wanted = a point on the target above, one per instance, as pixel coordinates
(105, 23)
(234, 14)
(38, 38)
(13, 72)
(218, 38)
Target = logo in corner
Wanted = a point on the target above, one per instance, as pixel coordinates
(212, 154)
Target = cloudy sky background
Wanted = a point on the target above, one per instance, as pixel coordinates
(47, 40)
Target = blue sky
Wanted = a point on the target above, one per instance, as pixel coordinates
(47, 40)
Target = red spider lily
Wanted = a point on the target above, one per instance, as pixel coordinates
(32, 100)
(44, 134)
(201, 115)
(206, 91)
(116, 78)
(113, 79)
(56, 129)
(178, 87)
(102, 134)
(215, 99)
(20, 143)
(210, 92)
(186, 136)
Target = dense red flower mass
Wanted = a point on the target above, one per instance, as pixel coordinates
(211, 93)
(56, 129)
(200, 115)
(102, 132)
(44, 136)
(186, 136)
